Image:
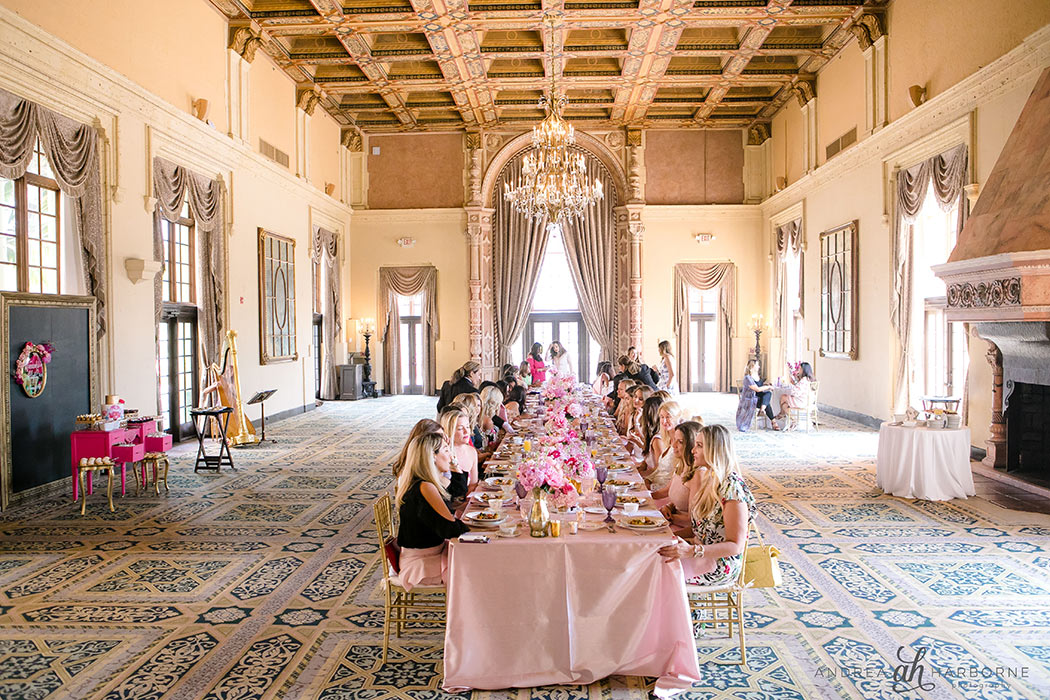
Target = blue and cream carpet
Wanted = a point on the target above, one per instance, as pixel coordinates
(262, 582)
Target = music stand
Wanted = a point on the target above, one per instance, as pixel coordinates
(259, 398)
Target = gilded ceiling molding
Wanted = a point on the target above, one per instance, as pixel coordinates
(306, 99)
(758, 133)
(245, 41)
(351, 140)
(868, 29)
(805, 90)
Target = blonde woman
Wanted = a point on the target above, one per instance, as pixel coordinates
(662, 456)
(493, 415)
(456, 425)
(471, 405)
(721, 509)
(667, 381)
(674, 500)
(638, 395)
(625, 406)
(426, 524)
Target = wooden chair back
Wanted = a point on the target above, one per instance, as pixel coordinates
(384, 510)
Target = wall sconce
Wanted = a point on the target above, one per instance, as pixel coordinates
(139, 269)
(329, 188)
(200, 109)
(704, 237)
(917, 93)
(406, 242)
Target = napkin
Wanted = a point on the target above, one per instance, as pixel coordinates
(474, 537)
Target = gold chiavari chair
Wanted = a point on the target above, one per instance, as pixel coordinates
(427, 601)
(722, 605)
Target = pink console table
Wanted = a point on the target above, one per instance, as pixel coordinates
(141, 430)
(92, 443)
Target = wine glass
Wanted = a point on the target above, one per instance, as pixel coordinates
(609, 502)
(520, 490)
(601, 474)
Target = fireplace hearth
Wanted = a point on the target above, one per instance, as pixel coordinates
(1028, 432)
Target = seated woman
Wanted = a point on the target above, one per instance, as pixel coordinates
(662, 455)
(424, 426)
(721, 509)
(455, 423)
(493, 417)
(798, 397)
(753, 397)
(426, 524)
(515, 396)
(603, 382)
(471, 405)
(624, 406)
(652, 446)
(464, 381)
(673, 501)
(525, 372)
(638, 395)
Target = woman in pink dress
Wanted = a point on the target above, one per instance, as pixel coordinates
(537, 369)
(673, 501)
(426, 524)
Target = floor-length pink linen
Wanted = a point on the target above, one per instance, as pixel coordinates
(528, 612)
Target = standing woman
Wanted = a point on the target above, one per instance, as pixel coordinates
(721, 508)
(667, 382)
(464, 380)
(426, 524)
(560, 360)
(537, 369)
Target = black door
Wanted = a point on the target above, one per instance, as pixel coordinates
(178, 373)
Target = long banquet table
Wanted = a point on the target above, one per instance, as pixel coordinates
(525, 612)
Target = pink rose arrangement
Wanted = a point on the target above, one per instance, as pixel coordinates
(574, 409)
(543, 473)
(43, 349)
(579, 466)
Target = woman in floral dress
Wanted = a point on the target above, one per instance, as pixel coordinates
(721, 508)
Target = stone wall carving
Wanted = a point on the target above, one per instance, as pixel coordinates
(474, 156)
(867, 29)
(758, 133)
(805, 90)
(1002, 292)
(352, 141)
(306, 99)
(245, 42)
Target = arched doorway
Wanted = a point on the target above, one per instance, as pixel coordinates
(556, 282)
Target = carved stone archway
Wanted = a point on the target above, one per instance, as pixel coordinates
(480, 223)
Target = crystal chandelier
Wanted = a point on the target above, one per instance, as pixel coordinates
(553, 180)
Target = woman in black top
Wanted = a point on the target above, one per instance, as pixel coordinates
(464, 380)
(426, 524)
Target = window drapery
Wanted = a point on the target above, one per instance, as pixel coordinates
(590, 246)
(518, 245)
(171, 185)
(518, 248)
(789, 241)
(947, 171)
(73, 152)
(407, 281)
(324, 250)
(706, 276)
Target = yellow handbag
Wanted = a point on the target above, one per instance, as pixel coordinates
(762, 565)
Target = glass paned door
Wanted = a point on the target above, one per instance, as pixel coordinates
(178, 377)
(411, 355)
(318, 324)
(703, 351)
(569, 330)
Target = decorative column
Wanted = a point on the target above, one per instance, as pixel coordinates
(354, 175)
(629, 234)
(480, 303)
(996, 445)
(244, 42)
(306, 99)
(872, 42)
(806, 92)
(757, 163)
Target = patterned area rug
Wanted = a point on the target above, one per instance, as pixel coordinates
(263, 582)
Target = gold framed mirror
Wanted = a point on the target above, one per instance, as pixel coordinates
(277, 338)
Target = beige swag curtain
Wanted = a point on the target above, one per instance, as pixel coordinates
(324, 252)
(518, 245)
(73, 152)
(948, 172)
(789, 239)
(407, 281)
(172, 184)
(706, 276)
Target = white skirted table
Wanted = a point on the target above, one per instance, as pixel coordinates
(923, 463)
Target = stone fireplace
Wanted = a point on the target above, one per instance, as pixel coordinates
(998, 280)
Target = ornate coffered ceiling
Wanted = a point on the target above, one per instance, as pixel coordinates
(415, 65)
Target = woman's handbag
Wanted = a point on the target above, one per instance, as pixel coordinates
(762, 565)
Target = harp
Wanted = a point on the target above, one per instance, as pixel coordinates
(226, 384)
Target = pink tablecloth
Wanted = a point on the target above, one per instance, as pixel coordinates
(527, 612)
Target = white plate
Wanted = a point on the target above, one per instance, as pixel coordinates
(594, 510)
(496, 497)
(624, 522)
(498, 482)
(473, 517)
(642, 500)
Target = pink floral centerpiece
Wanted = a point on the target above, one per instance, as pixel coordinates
(543, 476)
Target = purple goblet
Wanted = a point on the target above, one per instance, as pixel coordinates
(519, 489)
(609, 502)
(601, 474)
